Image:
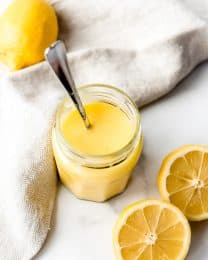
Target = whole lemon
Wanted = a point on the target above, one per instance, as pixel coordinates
(27, 28)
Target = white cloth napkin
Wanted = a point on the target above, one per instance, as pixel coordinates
(144, 47)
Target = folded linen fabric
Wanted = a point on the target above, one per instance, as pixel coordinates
(142, 47)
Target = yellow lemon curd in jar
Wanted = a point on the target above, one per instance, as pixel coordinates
(110, 131)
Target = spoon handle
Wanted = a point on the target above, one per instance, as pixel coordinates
(56, 57)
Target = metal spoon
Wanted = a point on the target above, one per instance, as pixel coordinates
(56, 57)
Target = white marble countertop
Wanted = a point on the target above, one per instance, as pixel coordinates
(82, 229)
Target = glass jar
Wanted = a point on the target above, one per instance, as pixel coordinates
(99, 177)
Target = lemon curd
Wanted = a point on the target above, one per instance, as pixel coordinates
(110, 129)
(96, 163)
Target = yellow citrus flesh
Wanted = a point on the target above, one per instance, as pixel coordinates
(151, 230)
(28, 28)
(183, 180)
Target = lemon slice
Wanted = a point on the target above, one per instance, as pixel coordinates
(183, 180)
(151, 230)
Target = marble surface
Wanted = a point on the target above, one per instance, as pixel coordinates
(81, 229)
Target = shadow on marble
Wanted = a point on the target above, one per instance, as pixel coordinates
(185, 85)
(199, 240)
(142, 185)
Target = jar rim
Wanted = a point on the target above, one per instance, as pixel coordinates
(96, 161)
